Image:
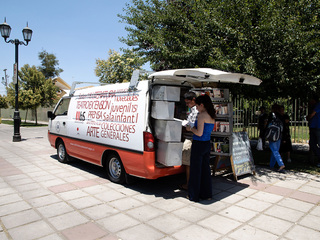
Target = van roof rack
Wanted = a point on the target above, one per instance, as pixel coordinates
(74, 84)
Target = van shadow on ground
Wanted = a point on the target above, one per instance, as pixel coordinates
(166, 187)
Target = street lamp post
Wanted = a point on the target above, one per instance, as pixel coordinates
(27, 34)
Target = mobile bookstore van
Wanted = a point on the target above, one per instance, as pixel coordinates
(131, 128)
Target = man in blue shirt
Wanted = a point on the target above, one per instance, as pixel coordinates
(314, 127)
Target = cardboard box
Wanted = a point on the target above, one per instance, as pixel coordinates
(169, 153)
(162, 110)
(168, 130)
(165, 93)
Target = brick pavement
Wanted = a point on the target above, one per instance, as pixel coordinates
(41, 198)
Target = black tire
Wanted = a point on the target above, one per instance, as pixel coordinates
(62, 153)
(115, 169)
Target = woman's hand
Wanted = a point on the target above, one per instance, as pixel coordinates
(188, 128)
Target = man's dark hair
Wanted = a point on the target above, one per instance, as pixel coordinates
(190, 95)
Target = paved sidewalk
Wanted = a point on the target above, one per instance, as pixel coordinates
(41, 198)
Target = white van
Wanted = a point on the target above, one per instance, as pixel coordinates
(130, 128)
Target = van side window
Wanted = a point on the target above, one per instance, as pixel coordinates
(63, 107)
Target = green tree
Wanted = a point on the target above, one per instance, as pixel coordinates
(117, 68)
(34, 90)
(3, 103)
(275, 40)
(49, 65)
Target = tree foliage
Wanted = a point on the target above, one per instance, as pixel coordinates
(274, 40)
(117, 68)
(34, 90)
(49, 65)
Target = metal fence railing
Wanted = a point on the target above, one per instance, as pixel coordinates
(246, 113)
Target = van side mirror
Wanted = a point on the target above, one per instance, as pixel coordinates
(51, 115)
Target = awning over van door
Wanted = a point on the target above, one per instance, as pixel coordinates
(198, 75)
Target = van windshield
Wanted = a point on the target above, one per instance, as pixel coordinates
(62, 108)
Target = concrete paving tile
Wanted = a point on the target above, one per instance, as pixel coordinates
(62, 188)
(84, 202)
(52, 182)
(220, 224)
(118, 222)
(45, 200)
(52, 237)
(67, 220)
(140, 232)
(11, 198)
(3, 236)
(254, 204)
(126, 203)
(196, 232)
(238, 213)
(279, 190)
(7, 191)
(20, 218)
(307, 197)
(22, 181)
(248, 232)
(228, 197)
(168, 223)
(75, 178)
(300, 232)
(13, 208)
(28, 187)
(31, 231)
(311, 221)
(295, 204)
(215, 206)
(192, 213)
(72, 194)
(100, 211)
(36, 193)
(284, 213)
(246, 192)
(310, 189)
(145, 213)
(55, 209)
(96, 189)
(289, 184)
(147, 198)
(85, 183)
(88, 231)
(315, 211)
(267, 197)
(168, 205)
(271, 224)
(109, 195)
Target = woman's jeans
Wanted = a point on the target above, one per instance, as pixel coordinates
(275, 155)
(200, 185)
(314, 141)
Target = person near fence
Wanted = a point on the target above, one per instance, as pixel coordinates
(200, 185)
(286, 144)
(262, 125)
(314, 126)
(275, 145)
(189, 99)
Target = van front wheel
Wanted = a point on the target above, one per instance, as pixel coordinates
(62, 153)
(115, 169)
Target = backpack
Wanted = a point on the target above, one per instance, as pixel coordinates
(274, 129)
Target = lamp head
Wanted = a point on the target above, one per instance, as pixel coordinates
(27, 34)
(5, 30)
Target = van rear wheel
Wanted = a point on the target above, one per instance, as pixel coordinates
(115, 169)
(62, 153)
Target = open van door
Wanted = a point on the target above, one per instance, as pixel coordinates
(196, 76)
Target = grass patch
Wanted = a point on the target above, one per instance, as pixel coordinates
(24, 124)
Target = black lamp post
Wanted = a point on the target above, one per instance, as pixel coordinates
(27, 34)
